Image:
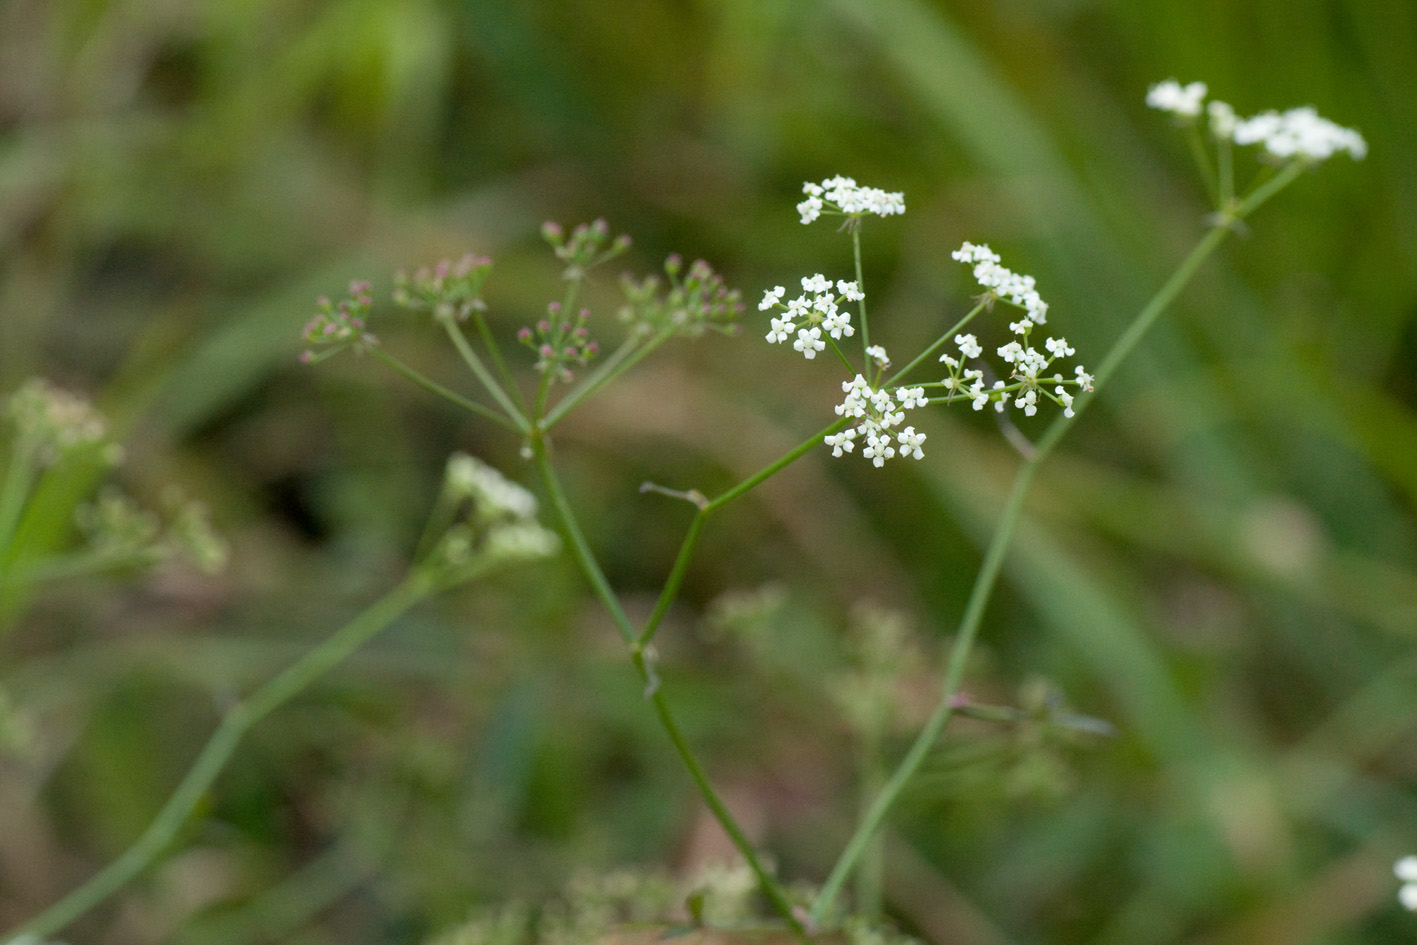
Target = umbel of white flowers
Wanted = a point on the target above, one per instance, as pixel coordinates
(1297, 133)
(815, 319)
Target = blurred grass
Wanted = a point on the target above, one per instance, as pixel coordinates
(1222, 563)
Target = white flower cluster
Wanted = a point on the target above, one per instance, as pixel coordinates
(1171, 96)
(1406, 870)
(877, 412)
(1296, 133)
(1003, 283)
(495, 495)
(1028, 381)
(498, 527)
(816, 309)
(844, 195)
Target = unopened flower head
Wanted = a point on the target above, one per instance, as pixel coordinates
(337, 326)
(451, 291)
(844, 196)
(560, 342)
(52, 422)
(694, 302)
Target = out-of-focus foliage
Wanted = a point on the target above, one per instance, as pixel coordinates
(1221, 562)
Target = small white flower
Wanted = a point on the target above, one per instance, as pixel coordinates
(1171, 96)
(816, 284)
(968, 346)
(910, 443)
(782, 329)
(809, 342)
(878, 354)
(810, 209)
(1084, 378)
(838, 324)
(771, 298)
(850, 291)
(845, 441)
(911, 397)
(878, 449)
(1059, 347)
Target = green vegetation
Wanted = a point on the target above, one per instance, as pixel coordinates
(1219, 562)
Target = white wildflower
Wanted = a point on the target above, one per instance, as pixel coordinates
(1171, 96)
(1299, 132)
(844, 195)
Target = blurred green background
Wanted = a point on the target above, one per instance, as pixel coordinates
(1221, 560)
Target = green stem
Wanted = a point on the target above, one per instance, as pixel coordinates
(1196, 138)
(675, 579)
(580, 548)
(772, 469)
(590, 566)
(484, 331)
(439, 390)
(19, 480)
(861, 287)
(953, 330)
(625, 357)
(218, 751)
(484, 376)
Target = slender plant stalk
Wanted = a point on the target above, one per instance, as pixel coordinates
(625, 357)
(590, 566)
(218, 751)
(433, 387)
(861, 286)
(988, 575)
(509, 383)
(484, 376)
(19, 480)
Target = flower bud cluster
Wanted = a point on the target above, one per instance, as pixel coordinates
(451, 291)
(842, 195)
(51, 422)
(588, 245)
(877, 411)
(816, 310)
(124, 533)
(697, 302)
(337, 326)
(1299, 133)
(560, 343)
